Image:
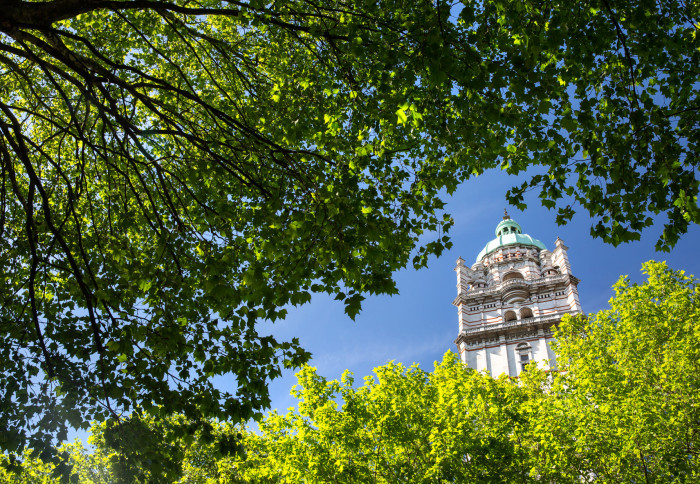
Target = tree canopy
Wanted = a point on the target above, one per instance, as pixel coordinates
(172, 172)
(627, 407)
(623, 408)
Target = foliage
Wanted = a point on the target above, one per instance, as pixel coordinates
(402, 425)
(628, 408)
(624, 407)
(83, 466)
(622, 138)
(173, 172)
(140, 450)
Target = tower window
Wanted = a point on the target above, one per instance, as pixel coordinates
(512, 275)
(524, 352)
(510, 316)
(524, 360)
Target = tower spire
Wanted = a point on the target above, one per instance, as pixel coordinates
(505, 214)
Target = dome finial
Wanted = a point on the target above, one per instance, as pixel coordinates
(505, 214)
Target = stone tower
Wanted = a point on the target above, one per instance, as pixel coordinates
(510, 300)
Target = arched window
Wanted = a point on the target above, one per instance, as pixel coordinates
(512, 275)
(479, 283)
(510, 316)
(526, 313)
(551, 271)
(524, 352)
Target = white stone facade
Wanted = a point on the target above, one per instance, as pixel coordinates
(510, 300)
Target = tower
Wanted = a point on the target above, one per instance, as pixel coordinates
(510, 299)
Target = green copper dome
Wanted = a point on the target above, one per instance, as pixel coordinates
(509, 232)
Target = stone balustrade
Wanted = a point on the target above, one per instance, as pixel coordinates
(500, 288)
(516, 323)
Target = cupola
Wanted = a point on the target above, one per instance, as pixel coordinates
(509, 232)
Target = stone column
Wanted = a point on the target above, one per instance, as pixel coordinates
(504, 351)
(543, 346)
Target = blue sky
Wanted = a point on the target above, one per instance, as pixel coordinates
(420, 324)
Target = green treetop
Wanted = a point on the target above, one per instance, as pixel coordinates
(624, 407)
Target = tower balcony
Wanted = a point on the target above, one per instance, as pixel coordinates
(514, 290)
(530, 285)
(505, 327)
